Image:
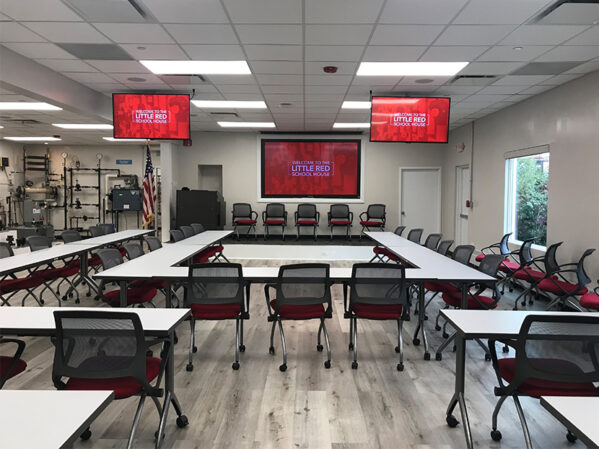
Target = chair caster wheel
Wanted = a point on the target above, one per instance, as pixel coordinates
(427, 356)
(235, 366)
(283, 368)
(437, 327)
(571, 437)
(425, 317)
(77, 301)
(242, 348)
(189, 367)
(42, 301)
(64, 298)
(495, 435)
(416, 341)
(455, 348)
(327, 364)
(70, 295)
(156, 435)
(506, 349)
(354, 365)
(194, 349)
(182, 421)
(438, 356)
(397, 349)
(149, 353)
(487, 357)
(88, 294)
(271, 350)
(319, 348)
(511, 290)
(86, 435)
(445, 335)
(451, 421)
(350, 347)
(400, 367)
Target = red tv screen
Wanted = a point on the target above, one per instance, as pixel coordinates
(149, 116)
(311, 168)
(395, 119)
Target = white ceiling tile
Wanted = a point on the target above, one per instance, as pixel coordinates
(135, 33)
(67, 65)
(333, 98)
(274, 52)
(325, 90)
(214, 52)
(280, 98)
(231, 79)
(500, 90)
(590, 66)
(473, 34)
(279, 79)
(106, 87)
(570, 53)
(343, 68)
(589, 37)
(508, 53)
(376, 81)
(337, 34)
(264, 11)
(342, 11)
(39, 50)
(434, 80)
(414, 88)
(328, 80)
(503, 12)
(187, 11)
(270, 34)
(542, 34)
(90, 77)
(459, 90)
(405, 34)
(147, 86)
(63, 32)
(490, 68)
(281, 89)
(394, 53)
(277, 67)
(156, 51)
(560, 79)
(421, 11)
(535, 90)
(333, 52)
(202, 34)
(45, 10)
(486, 99)
(521, 80)
(13, 32)
(118, 66)
(576, 13)
(148, 77)
(239, 89)
(453, 53)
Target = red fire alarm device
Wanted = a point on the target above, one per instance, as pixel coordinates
(468, 203)
(187, 142)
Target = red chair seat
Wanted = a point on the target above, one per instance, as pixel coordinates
(204, 255)
(442, 287)
(272, 221)
(377, 311)
(300, 312)
(385, 252)
(540, 387)
(371, 223)
(5, 362)
(94, 261)
(123, 387)
(480, 257)
(55, 273)
(242, 221)
(528, 274)
(215, 311)
(11, 285)
(340, 222)
(306, 222)
(590, 301)
(558, 287)
(509, 266)
(123, 251)
(455, 300)
(135, 295)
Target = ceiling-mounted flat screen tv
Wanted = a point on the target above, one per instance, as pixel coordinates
(150, 116)
(409, 119)
(310, 168)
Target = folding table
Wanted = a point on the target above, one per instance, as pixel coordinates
(579, 414)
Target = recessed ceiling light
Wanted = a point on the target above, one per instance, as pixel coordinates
(424, 81)
(518, 48)
(27, 106)
(1, 126)
(82, 125)
(112, 139)
(351, 125)
(136, 79)
(410, 68)
(197, 67)
(33, 139)
(355, 105)
(141, 47)
(246, 124)
(219, 104)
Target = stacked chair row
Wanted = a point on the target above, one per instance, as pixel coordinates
(212, 253)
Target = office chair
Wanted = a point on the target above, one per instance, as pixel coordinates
(444, 246)
(10, 366)
(340, 216)
(500, 247)
(153, 243)
(176, 235)
(274, 215)
(432, 241)
(243, 215)
(12, 285)
(306, 215)
(384, 254)
(415, 235)
(374, 218)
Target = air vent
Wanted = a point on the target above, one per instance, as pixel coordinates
(111, 11)
(545, 68)
(569, 12)
(473, 80)
(224, 115)
(106, 52)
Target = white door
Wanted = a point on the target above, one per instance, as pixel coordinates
(420, 199)
(461, 209)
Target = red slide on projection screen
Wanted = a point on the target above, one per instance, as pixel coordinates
(311, 168)
(395, 119)
(149, 116)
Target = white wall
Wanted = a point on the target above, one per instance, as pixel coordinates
(567, 119)
(238, 154)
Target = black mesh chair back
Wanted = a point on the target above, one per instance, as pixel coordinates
(187, 231)
(215, 283)
(415, 234)
(96, 231)
(306, 210)
(444, 246)
(378, 283)
(70, 235)
(242, 210)
(108, 228)
(376, 212)
(550, 259)
(177, 235)
(503, 244)
(154, 243)
(99, 345)
(110, 257)
(581, 274)
(275, 210)
(197, 228)
(490, 264)
(37, 242)
(134, 250)
(5, 250)
(304, 284)
(463, 253)
(525, 254)
(399, 230)
(339, 211)
(432, 241)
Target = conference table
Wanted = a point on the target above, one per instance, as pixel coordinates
(578, 414)
(48, 419)
(470, 324)
(158, 323)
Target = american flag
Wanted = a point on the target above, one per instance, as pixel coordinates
(149, 188)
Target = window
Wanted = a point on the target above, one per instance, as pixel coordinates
(526, 197)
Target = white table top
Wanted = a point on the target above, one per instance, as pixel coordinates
(579, 414)
(205, 238)
(47, 419)
(40, 320)
(115, 237)
(22, 261)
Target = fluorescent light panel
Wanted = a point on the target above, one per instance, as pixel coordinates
(82, 125)
(220, 104)
(27, 106)
(351, 125)
(410, 68)
(112, 139)
(355, 105)
(33, 139)
(246, 124)
(197, 67)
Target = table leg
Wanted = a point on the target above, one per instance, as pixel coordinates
(420, 325)
(169, 295)
(123, 285)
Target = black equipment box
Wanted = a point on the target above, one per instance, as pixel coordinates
(206, 207)
(127, 199)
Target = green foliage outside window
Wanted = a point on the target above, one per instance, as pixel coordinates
(531, 199)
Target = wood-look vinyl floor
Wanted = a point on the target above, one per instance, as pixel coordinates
(308, 406)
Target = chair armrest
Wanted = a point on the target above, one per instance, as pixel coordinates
(254, 214)
(295, 216)
(351, 216)
(267, 288)
(317, 216)
(361, 216)
(329, 217)
(596, 290)
(263, 216)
